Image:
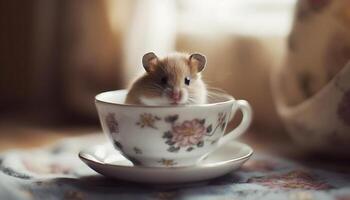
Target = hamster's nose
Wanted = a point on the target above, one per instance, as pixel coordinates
(176, 95)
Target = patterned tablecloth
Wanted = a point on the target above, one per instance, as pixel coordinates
(55, 172)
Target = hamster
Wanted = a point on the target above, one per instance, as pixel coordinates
(172, 80)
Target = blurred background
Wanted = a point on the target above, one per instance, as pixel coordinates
(56, 55)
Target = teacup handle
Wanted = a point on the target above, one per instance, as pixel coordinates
(244, 106)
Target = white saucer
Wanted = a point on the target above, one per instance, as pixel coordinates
(108, 162)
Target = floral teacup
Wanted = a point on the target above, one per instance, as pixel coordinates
(168, 136)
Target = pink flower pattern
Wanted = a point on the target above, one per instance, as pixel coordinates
(297, 179)
(188, 133)
(222, 120)
(112, 123)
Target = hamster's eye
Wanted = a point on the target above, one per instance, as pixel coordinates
(187, 80)
(164, 80)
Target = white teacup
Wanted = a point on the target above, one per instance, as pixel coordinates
(168, 136)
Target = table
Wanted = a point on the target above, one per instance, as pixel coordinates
(55, 172)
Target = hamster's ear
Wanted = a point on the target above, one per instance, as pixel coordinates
(150, 61)
(197, 61)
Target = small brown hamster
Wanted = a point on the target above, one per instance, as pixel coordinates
(172, 80)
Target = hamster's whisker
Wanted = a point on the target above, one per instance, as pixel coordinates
(215, 89)
(152, 89)
(156, 86)
(215, 92)
(191, 99)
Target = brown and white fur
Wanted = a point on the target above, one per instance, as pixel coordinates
(172, 80)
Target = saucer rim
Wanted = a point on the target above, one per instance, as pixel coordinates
(198, 165)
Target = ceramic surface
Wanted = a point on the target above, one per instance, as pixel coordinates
(104, 160)
(167, 136)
